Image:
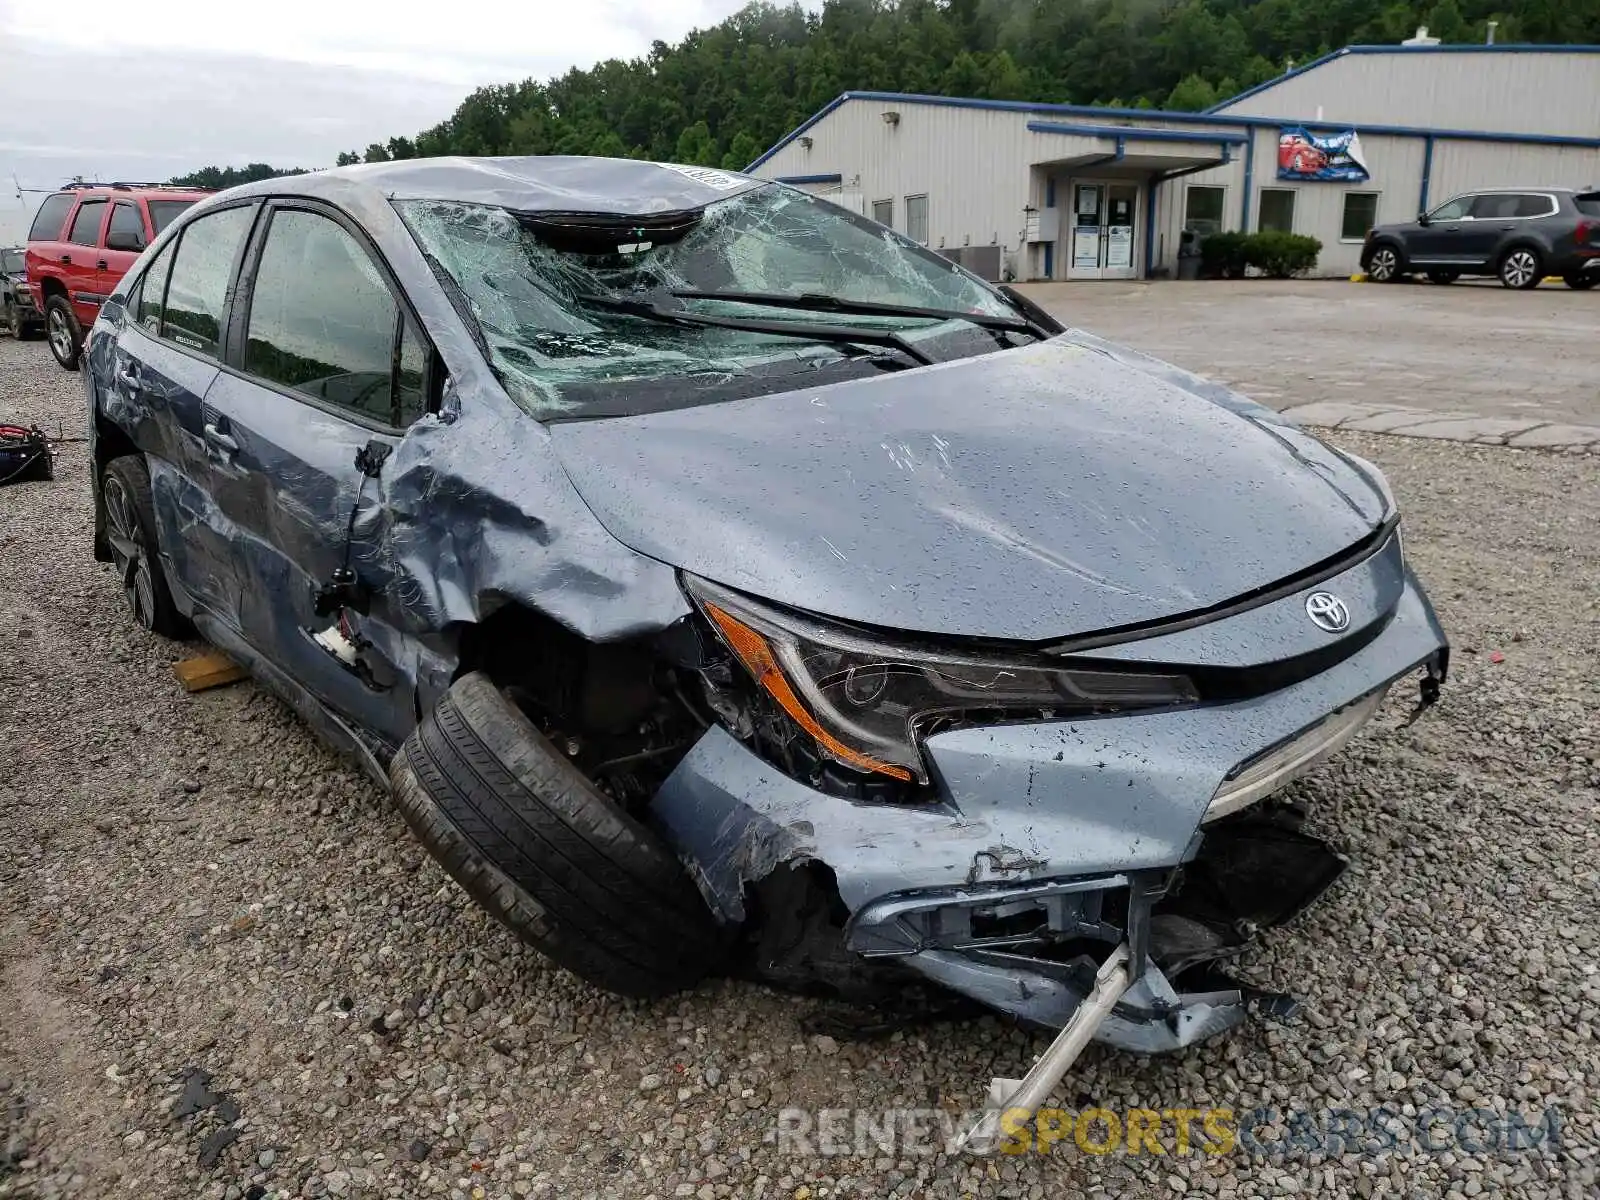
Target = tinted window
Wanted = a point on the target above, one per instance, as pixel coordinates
(1452, 210)
(1202, 209)
(1535, 206)
(86, 225)
(47, 225)
(1588, 205)
(198, 288)
(323, 322)
(1494, 205)
(149, 297)
(163, 212)
(1277, 210)
(1360, 215)
(125, 219)
(11, 262)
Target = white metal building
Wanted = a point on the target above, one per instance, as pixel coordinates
(1053, 191)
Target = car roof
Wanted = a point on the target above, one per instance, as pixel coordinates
(542, 184)
(1527, 187)
(151, 191)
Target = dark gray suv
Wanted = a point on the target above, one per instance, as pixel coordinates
(1521, 235)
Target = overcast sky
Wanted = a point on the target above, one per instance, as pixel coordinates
(147, 91)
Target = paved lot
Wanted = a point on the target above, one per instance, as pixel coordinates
(193, 883)
(1481, 362)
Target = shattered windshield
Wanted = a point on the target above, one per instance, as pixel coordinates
(580, 313)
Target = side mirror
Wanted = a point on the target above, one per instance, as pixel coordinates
(123, 239)
(1424, 219)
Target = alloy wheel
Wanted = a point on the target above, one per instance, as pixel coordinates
(1519, 269)
(1383, 265)
(127, 552)
(60, 335)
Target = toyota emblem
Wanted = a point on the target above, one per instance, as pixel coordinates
(1327, 612)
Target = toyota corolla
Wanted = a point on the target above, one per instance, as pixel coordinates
(722, 583)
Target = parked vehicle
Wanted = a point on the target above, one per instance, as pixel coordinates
(1520, 235)
(724, 583)
(83, 239)
(18, 316)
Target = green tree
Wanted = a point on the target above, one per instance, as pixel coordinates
(1193, 94)
(376, 153)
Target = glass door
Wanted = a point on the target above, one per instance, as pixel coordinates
(1088, 205)
(1105, 219)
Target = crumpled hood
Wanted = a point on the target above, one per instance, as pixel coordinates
(1049, 491)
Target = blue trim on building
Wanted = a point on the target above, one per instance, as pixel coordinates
(1427, 174)
(1150, 226)
(1249, 183)
(1514, 47)
(1133, 131)
(799, 179)
(1209, 119)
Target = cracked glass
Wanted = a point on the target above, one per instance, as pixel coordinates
(536, 287)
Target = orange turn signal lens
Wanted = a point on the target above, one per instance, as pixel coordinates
(759, 660)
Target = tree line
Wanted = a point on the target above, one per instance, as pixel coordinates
(723, 94)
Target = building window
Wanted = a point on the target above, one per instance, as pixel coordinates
(883, 212)
(1202, 209)
(1277, 210)
(917, 219)
(1360, 215)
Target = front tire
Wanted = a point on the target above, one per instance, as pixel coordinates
(1521, 268)
(1387, 264)
(545, 852)
(131, 535)
(1581, 281)
(66, 336)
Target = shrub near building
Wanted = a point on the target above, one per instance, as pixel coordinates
(1272, 252)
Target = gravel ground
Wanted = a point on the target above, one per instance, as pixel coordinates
(227, 970)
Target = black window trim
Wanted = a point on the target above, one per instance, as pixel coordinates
(138, 215)
(238, 322)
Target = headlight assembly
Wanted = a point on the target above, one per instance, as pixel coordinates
(868, 703)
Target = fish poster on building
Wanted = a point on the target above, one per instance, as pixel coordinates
(1326, 156)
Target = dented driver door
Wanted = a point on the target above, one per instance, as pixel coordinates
(325, 370)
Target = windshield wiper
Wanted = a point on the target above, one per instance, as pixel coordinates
(816, 302)
(836, 334)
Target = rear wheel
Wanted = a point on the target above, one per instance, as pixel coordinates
(1442, 277)
(1582, 281)
(1521, 268)
(131, 534)
(66, 337)
(1386, 265)
(554, 859)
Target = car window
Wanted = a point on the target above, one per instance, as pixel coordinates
(52, 214)
(198, 288)
(164, 212)
(148, 300)
(1589, 204)
(125, 218)
(1495, 206)
(529, 283)
(1534, 205)
(324, 322)
(1452, 210)
(11, 262)
(86, 225)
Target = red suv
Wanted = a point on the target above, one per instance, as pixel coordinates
(83, 241)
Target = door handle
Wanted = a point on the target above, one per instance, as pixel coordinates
(129, 375)
(67, 259)
(102, 265)
(220, 440)
(1507, 228)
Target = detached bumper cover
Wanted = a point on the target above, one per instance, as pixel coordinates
(1068, 811)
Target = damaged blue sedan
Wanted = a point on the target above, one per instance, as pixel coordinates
(724, 584)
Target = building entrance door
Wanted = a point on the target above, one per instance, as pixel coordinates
(1104, 224)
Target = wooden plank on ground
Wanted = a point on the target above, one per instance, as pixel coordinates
(208, 671)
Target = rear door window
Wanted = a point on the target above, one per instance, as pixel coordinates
(52, 215)
(197, 292)
(86, 224)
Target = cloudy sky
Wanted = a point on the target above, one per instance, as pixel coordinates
(147, 91)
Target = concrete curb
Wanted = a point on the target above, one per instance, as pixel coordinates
(1522, 434)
